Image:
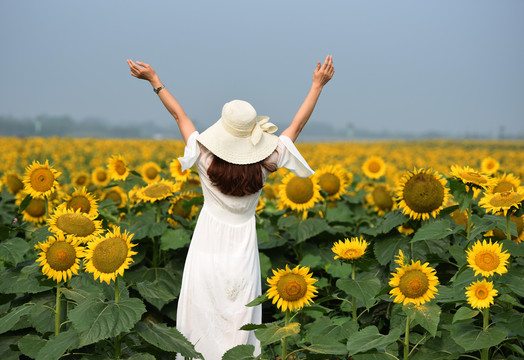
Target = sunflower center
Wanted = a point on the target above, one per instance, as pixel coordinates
(61, 256)
(110, 254)
(423, 193)
(79, 202)
(177, 209)
(36, 208)
(151, 173)
(413, 284)
(42, 179)
(382, 198)
(76, 224)
(14, 184)
(114, 195)
(292, 287)
(474, 177)
(300, 190)
(101, 176)
(120, 167)
(81, 180)
(157, 190)
(487, 261)
(329, 183)
(351, 253)
(481, 293)
(507, 198)
(503, 187)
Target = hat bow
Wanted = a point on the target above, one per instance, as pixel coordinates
(262, 125)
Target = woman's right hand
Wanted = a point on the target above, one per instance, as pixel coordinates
(142, 70)
(324, 73)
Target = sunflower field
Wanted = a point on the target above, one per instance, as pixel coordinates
(391, 250)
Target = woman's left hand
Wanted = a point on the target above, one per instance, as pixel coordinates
(142, 70)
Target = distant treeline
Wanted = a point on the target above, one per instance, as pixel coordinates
(65, 126)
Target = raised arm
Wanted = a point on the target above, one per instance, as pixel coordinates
(144, 71)
(322, 74)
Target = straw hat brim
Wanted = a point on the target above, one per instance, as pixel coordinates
(235, 149)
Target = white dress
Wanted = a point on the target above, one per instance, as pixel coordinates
(222, 270)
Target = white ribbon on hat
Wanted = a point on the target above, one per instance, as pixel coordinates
(262, 126)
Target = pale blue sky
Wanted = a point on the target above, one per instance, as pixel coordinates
(410, 65)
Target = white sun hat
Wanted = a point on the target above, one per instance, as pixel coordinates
(240, 136)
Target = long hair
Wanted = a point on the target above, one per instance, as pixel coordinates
(238, 180)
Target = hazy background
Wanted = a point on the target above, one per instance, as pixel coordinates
(403, 68)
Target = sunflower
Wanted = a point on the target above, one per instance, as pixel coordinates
(108, 256)
(414, 283)
(100, 177)
(40, 179)
(35, 211)
(13, 182)
(504, 202)
(73, 222)
(405, 229)
(291, 289)
(332, 180)
(82, 200)
(422, 193)
(519, 223)
(175, 168)
(157, 191)
(350, 250)
(471, 177)
(505, 182)
(260, 205)
(487, 259)
(117, 167)
(297, 193)
(117, 194)
(480, 294)
(150, 172)
(177, 207)
(374, 167)
(269, 191)
(489, 166)
(60, 257)
(381, 198)
(80, 179)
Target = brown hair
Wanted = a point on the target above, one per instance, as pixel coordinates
(238, 180)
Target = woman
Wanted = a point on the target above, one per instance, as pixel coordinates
(233, 158)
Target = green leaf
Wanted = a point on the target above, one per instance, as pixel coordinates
(324, 344)
(385, 249)
(369, 338)
(310, 228)
(167, 339)
(41, 317)
(390, 221)
(265, 265)
(340, 214)
(95, 319)
(513, 280)
(427, 316)
(24, 279)
(364, 289)
(372, 356)
(472, 338)
(274, 333)
(338, 269)
(141, 356)
(7, 350)
(514, 248)
(268, 240)
(435, 230)
(240, 352)
(258, 300)
(12, 251)
(158, 286)
(25, 203)
(12, 317)
(174, 239)
(464, 313)
(31, 344)
(58, 345)
(312, 261)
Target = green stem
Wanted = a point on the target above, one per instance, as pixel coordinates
(485, 324)
(353, 299)
(57, 308)
(117, 291)
(406, 340)
(508, 225)
(284, 339)
(117, 346)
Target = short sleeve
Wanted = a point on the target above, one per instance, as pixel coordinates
(191, 152)
(290, 158)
